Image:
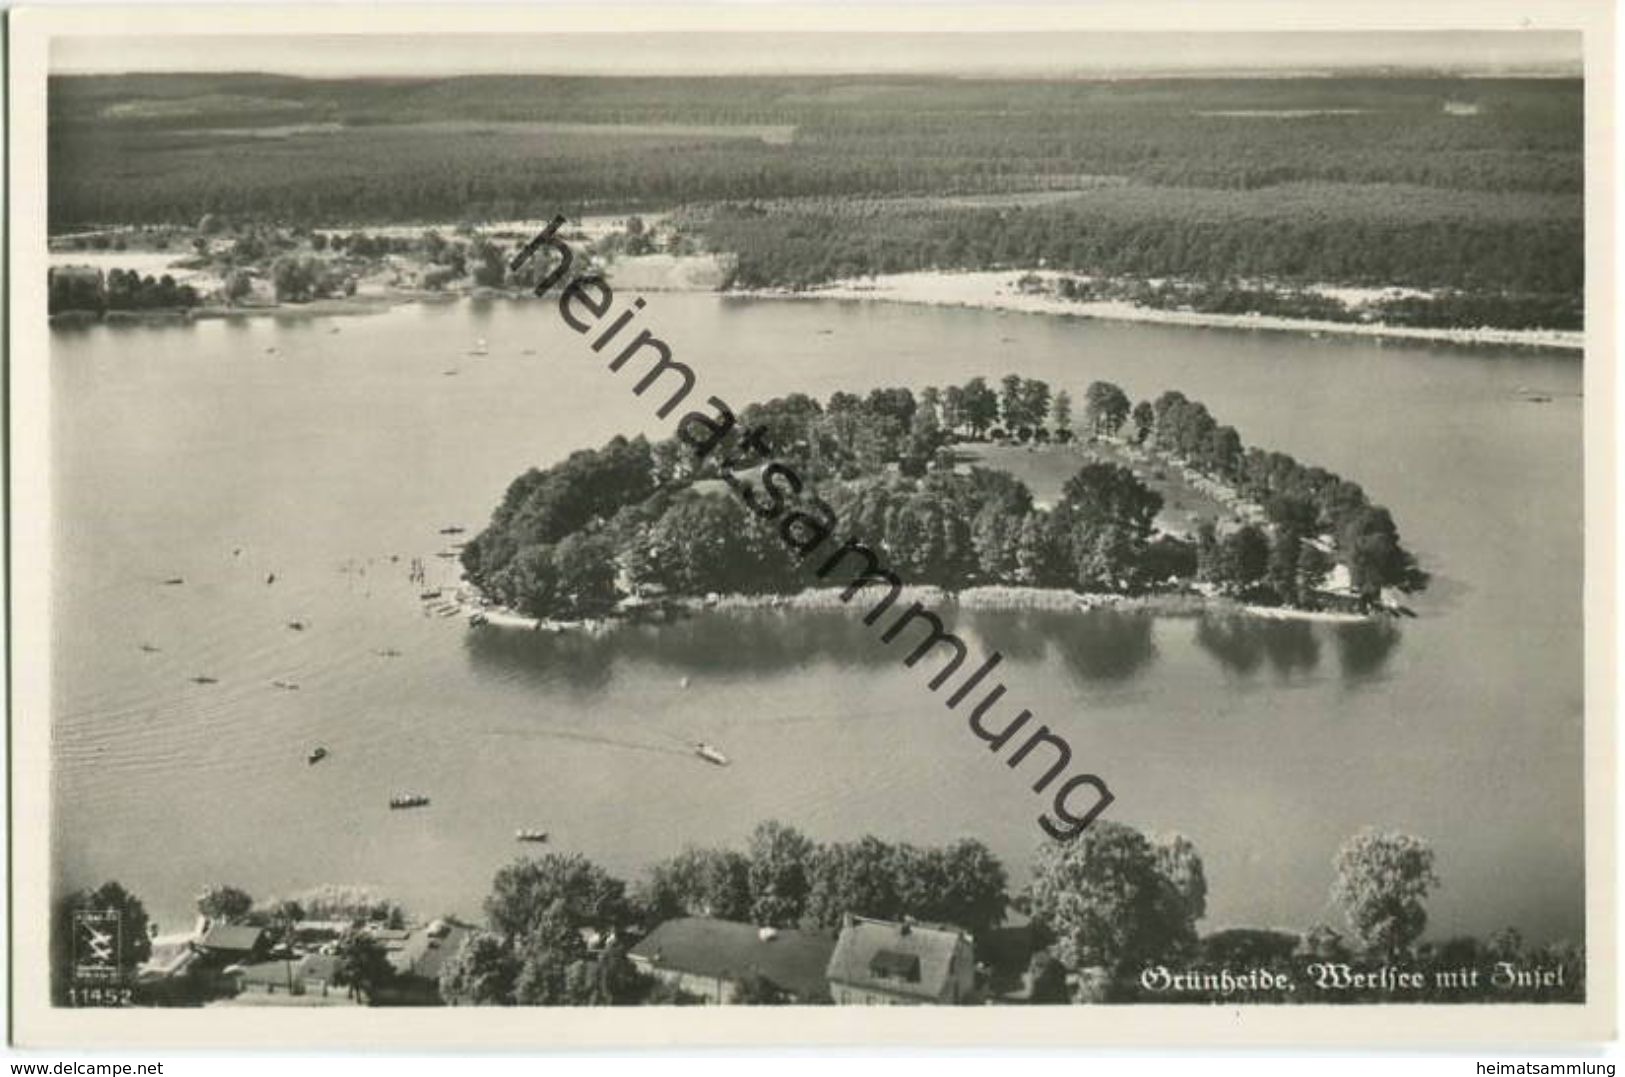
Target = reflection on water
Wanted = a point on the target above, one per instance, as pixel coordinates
(1363, 648)
(1097, 646)
(1242, 644)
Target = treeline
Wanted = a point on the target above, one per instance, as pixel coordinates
(80, 288)
(1114, 914)
(127, 149)
(636, 518)
(1447, 310)
(1380, 237)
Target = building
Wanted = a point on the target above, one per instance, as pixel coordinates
(710, 958)
(880, 963)
(234, 944)
(417, 955)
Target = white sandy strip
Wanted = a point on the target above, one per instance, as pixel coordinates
(996, 290)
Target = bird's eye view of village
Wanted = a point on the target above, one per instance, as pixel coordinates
(1069, 519)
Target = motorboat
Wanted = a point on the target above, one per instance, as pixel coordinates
(710, 754)
(428, 595)
(408, 800)
(530, 835)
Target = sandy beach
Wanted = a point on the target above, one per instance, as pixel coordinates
(996, 290)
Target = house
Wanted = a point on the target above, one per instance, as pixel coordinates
(710, 957)
(234, 944)
(418, 954)
(881, 963)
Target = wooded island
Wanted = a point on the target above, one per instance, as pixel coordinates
(1159, 498)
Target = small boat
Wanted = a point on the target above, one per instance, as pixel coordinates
(286, 686)
(452, 530)
(428, 595)
(148, 648)
(449, 373)
(530, 835)
(710, 754)
(388, 652)
(316, 755)
(447, 554)
(408, 800)
(297, 626)
(174, 581)
(479, 348)
(1539, 399)
(205, 680)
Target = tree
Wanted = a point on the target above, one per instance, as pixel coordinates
(237, 285)
(586, 574)
(698, 882)
(978, 406)
(294, 278)
(970, 887)
(1101, 524)
(856, 878)
(1061, 411)
(482, 973)
(1180, 864)
(1383, 879)
(353, 903)
(1106, 407)
(523, 892)
(1035, 401)
(1144, 421)
(1102, 898)
(779, 855)
(1012, 404)
(1368, 542)
(553, 951)
(226, 903)
(361, 964)
(1244, 556)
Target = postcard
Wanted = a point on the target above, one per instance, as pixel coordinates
(1083, 525)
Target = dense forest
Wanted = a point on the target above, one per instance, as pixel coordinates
(635, 518)
(1447, 183)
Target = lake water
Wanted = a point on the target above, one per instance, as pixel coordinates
(199, 452)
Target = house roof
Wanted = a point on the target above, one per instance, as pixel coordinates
(904, 959)
(794, 960)
(242, 937)
(423, 954)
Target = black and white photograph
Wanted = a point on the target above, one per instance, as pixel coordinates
(1045, 520)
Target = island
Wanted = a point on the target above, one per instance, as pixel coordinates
(983, 494)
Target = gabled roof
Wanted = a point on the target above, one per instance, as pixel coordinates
(793, 960)
(904, 959)
(243, 937)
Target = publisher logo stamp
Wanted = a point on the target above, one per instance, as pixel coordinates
(97, 936)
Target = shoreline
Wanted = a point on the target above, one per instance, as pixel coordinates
(986, 289)
(997, 598)
(981, 289)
